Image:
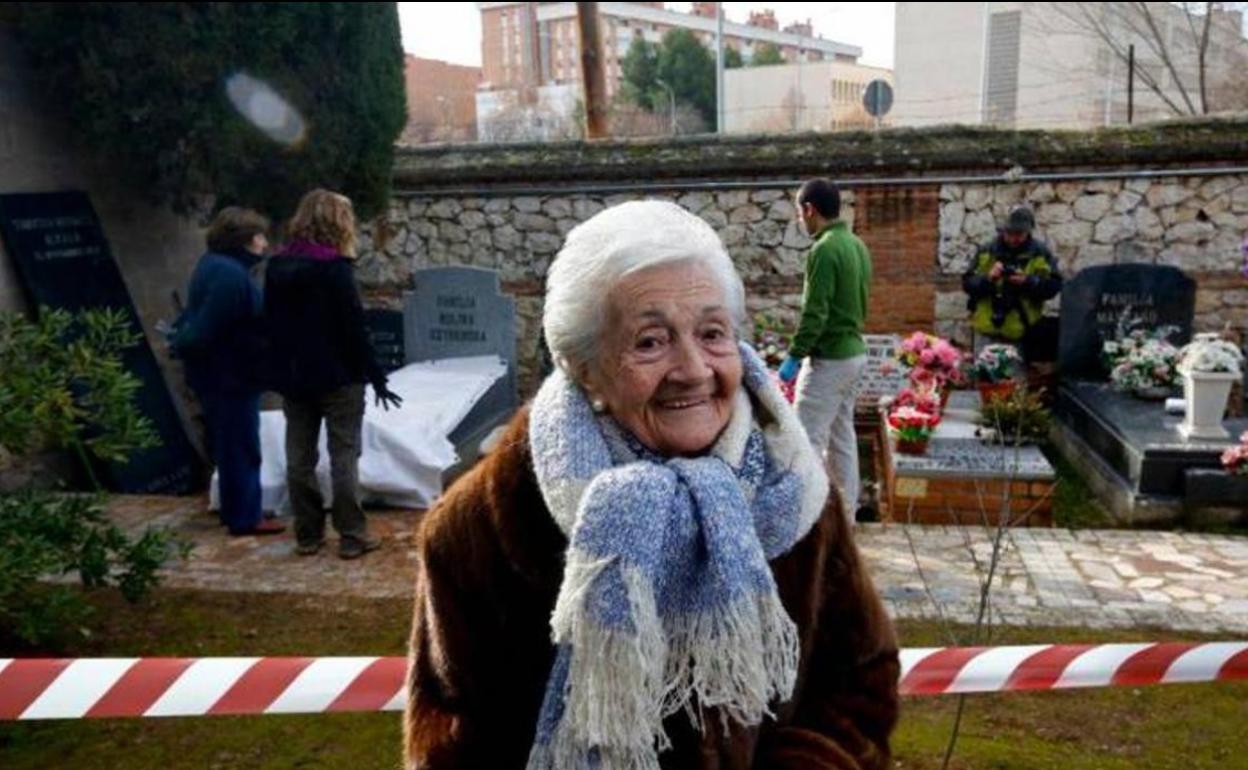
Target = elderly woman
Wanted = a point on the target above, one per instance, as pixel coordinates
(648, 571)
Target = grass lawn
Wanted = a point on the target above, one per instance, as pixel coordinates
(1075, 505)
(1182, 727)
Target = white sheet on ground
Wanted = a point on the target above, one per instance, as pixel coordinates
(404, 450)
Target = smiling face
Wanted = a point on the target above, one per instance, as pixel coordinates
(668, 367)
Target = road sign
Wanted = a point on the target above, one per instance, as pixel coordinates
(878, 98)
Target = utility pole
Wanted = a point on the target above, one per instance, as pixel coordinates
(593, 76)
(1130, 83)
(1109, 93)
(530, 55)
(719, 68)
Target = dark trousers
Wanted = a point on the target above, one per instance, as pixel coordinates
(233, 436)
(342, 410)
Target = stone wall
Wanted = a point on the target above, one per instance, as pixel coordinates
(1195, 223)
(922, 237)
(519, 236)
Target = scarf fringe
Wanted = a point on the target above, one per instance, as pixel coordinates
(713, 660)
(615, 678)
(622, 684)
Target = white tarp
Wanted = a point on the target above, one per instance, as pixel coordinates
(404, 450)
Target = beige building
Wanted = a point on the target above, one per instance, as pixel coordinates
(537, 44)
(1037, 65)
(820, 96)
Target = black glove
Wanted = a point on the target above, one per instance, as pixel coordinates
(386, 398)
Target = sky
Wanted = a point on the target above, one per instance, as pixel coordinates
(452, 31)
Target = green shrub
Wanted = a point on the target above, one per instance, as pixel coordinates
(44, 536)
(1020, 418)
(63, 386)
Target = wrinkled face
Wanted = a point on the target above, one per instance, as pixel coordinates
(669, 366)
(1014, 238)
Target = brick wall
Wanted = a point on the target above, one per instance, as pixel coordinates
(899, 226)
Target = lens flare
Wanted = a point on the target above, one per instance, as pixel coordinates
(265, 109)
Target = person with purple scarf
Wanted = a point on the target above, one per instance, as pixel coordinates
(322, 359)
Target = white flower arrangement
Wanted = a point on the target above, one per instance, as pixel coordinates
(1211, 353)
(1142, 362)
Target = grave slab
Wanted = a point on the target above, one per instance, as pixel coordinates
(962, 479)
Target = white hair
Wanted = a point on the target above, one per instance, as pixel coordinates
(612, 244)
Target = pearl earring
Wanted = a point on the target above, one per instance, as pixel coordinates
(597, 406)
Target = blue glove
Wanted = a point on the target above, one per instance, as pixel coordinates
(788, 370)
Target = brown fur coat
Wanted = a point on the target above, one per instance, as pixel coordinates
(490, 566)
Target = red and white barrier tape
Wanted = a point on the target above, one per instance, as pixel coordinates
(947, 670)
(166, 687)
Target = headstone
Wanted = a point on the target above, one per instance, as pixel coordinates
(385, 331)
(970, 458)
(63, 262)
(883, 375)
(460, 312)
(1099, 301)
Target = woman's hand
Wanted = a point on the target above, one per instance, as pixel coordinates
(387, 398)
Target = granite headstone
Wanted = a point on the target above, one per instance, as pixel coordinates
(456, 312)
(1100, 302)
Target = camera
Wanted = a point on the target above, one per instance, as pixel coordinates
(1005, 298)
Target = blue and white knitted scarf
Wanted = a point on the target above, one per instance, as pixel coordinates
(667, 600)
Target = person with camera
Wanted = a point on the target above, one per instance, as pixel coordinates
(1007, 285)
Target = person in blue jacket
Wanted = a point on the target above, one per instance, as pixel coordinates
(220, 338)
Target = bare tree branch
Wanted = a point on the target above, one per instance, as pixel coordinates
(1200, 43)
(1087, 18)
(1163, 51)
(984, 613)
(945, 625)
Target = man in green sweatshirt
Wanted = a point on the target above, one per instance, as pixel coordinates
(828, 347)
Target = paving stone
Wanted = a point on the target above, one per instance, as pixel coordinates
(1043, 578)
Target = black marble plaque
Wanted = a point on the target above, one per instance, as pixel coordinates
(1137, 439)
(1099, 301)
(385, 331)
(63, 261)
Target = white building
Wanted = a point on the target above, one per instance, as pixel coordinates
(820, 96)
(1034, 65)
(530, 46)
